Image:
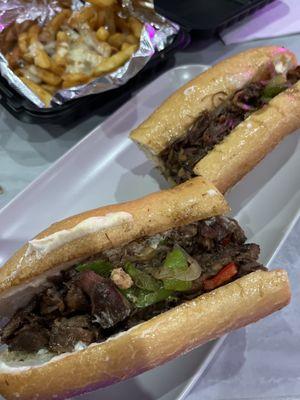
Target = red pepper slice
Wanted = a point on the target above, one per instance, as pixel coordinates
(222, 276)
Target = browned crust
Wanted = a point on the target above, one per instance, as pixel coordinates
(251, 140)
(191, 201)
(174, 116)
(156, 341)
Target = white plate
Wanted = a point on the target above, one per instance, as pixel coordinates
(105, 167)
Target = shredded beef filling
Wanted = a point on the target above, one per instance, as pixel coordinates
(90, 302)
(180, 157)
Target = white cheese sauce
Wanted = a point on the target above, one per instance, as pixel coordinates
(40, 247)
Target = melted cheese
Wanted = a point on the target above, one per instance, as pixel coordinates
(82, 60)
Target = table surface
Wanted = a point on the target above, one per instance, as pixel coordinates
(27, 150)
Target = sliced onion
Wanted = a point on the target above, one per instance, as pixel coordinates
(162, 273)
(218, 98)
(193, 272)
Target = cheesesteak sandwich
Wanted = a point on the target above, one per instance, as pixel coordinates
(223, 122)
(112, 292)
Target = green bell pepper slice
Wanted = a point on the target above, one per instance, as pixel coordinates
(101, 267)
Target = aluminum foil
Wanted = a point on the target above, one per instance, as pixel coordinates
(157, 33)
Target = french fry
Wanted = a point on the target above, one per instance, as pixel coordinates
(33, 33)
(132, 39)
(70, 80)
(14, 57)
(105, 48)
(49, 88)
(115, 61)
(30, 73)
(61, 36)
(75, 77)
(90, 40)
(43, 94)
(102, 3)
(58, 69)
(18, 72)
(125, 46)
(36, 49)
(80, 17)
(117, 39)
(28, 57)
(68, 84)
(47, 76)
(46, 36)
(136, 27)
(41, 59)
(59, 58)
(102, 34)
(55, 24)
(23, 42)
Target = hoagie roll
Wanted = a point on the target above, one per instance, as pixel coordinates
(107, 294)
(224, 121)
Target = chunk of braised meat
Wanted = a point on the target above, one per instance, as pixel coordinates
(293, 76)
(51, 301)
(76, 300)
(30, 338)
(212, 263)
(247, 259)
(18, 320)
(183, 235)
(56, 280)
(67, 332)
(69, 275)
(26, 330)
(247, 252)
(108, 304)
(219, 231)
